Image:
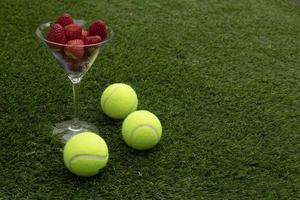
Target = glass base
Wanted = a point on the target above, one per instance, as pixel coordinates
(65, 130)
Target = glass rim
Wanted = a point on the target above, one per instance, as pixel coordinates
(41, 27)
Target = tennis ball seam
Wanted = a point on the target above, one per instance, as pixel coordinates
(96, 157)
(140, 126)
(132, 108)
(106, 99)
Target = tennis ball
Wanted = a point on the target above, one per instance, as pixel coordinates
(141, 130)
(118, 100)
(85, 154)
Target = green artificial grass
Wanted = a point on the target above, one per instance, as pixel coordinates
(222, 76)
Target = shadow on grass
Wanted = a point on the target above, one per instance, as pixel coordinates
(107, 121)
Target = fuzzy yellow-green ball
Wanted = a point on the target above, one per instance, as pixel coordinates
(141, 130)
(118, 100)
(85, 154)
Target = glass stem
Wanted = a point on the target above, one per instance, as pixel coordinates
(75, 123)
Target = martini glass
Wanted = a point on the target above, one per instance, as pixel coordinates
(75, 70)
